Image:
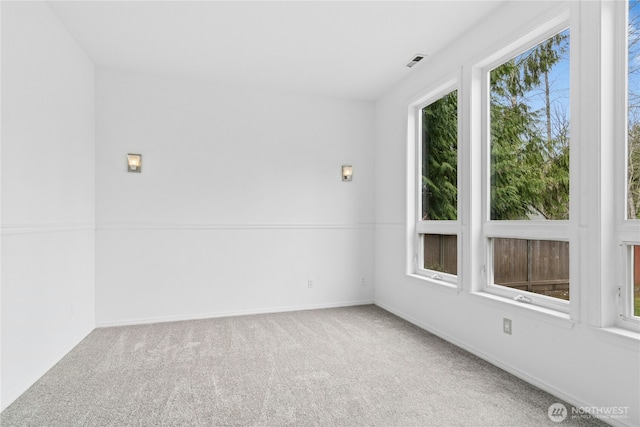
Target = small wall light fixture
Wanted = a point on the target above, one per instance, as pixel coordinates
(134, 163)
(347, 173)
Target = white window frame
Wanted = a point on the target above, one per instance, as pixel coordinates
(415, 226)
(555, 230)
(627, 230)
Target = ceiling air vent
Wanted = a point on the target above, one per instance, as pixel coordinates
(415, 60)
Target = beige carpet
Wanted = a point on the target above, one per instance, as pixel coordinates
(357, 366)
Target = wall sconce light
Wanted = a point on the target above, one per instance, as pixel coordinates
(347, 173)
(134, 163)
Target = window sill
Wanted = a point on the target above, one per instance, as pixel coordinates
(620, 336)
(542, 314)
(441, 285)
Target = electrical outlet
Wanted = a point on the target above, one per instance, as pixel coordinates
(506, 326)
(362, 281)
(309, 283)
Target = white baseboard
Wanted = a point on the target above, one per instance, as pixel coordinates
(562, 395)
(37, 373)
(162, 319)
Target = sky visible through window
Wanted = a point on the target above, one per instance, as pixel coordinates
(559, 85)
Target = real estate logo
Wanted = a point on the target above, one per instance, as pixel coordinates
(557, 412)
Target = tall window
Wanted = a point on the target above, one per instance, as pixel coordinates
(438, 184)
(529, 136)
(440, 159)
(633, 109)
(630, 236)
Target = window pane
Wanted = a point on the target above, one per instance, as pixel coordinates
(539, 266)
(636, 280)
(633, 87)
(439, 163)
(529, 133)
(441, 253)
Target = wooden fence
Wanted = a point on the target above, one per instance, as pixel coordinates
(539, 266)
(441, 253)
(531, 265)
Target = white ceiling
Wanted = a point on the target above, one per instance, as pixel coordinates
(347, 49)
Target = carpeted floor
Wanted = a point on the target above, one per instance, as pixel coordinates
(356, 366)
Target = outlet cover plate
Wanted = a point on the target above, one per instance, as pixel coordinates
(506, 326)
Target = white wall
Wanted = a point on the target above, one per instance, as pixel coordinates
(584, 365)
(239, 201)
(47, 194)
